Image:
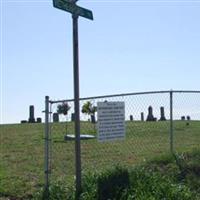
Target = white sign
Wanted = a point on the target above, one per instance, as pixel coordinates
(111, 121)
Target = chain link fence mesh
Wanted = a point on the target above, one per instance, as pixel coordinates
(186, 123)
(143, 141)
(62, 152)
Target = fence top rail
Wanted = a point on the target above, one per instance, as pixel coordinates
(185, 91)
(110, 96)
(127, 94)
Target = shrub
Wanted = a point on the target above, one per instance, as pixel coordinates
(111, 184)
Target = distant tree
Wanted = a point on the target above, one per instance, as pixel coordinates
(89, 109)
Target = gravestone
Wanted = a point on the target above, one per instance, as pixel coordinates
(183, 118)
(39, 120)
(93, 120)
(188, 118)
(73, 117)
(31, 114)
(150, 116)
(131, 117)
(142, 116)
(23, 121)
(162, 114)
(55, 117)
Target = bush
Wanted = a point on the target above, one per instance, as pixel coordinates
(111, 184)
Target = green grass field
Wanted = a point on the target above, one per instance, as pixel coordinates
(22, 151)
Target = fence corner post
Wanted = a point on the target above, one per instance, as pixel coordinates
(46, 150)
(171, 123)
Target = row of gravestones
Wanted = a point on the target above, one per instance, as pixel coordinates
(183, 118)
(150, 116)
(31, 118)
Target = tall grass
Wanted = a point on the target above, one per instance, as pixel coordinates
(159, 179)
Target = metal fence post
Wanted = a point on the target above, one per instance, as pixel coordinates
(171, 123)
(46, 150)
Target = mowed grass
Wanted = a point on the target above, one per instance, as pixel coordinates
(22, 155)
(22, 151)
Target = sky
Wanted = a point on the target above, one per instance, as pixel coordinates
(131, 46)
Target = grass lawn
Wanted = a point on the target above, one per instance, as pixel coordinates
(22, 151)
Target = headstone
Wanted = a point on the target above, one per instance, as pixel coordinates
(188, 118)
(162, 114)
(55, 117)
(131, 117)
(73, 117)
(183, 118)
(150, 116)
(93, 120)
(23, 121)
(31, 114)
(39, 120)
(142, 116)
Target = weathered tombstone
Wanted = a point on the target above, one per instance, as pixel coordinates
(162, 114)
(131, 117)
(23, 121)
(150, 116)
(31, 114)
(55, 117)
(183, 118)
(142, 116)
(188, 118)
(73, 117)
(93, 120)
(39, 120)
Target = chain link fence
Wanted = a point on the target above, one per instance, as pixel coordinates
(186, 120)
(155, 122)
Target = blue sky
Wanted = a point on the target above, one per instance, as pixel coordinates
(130, 46)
